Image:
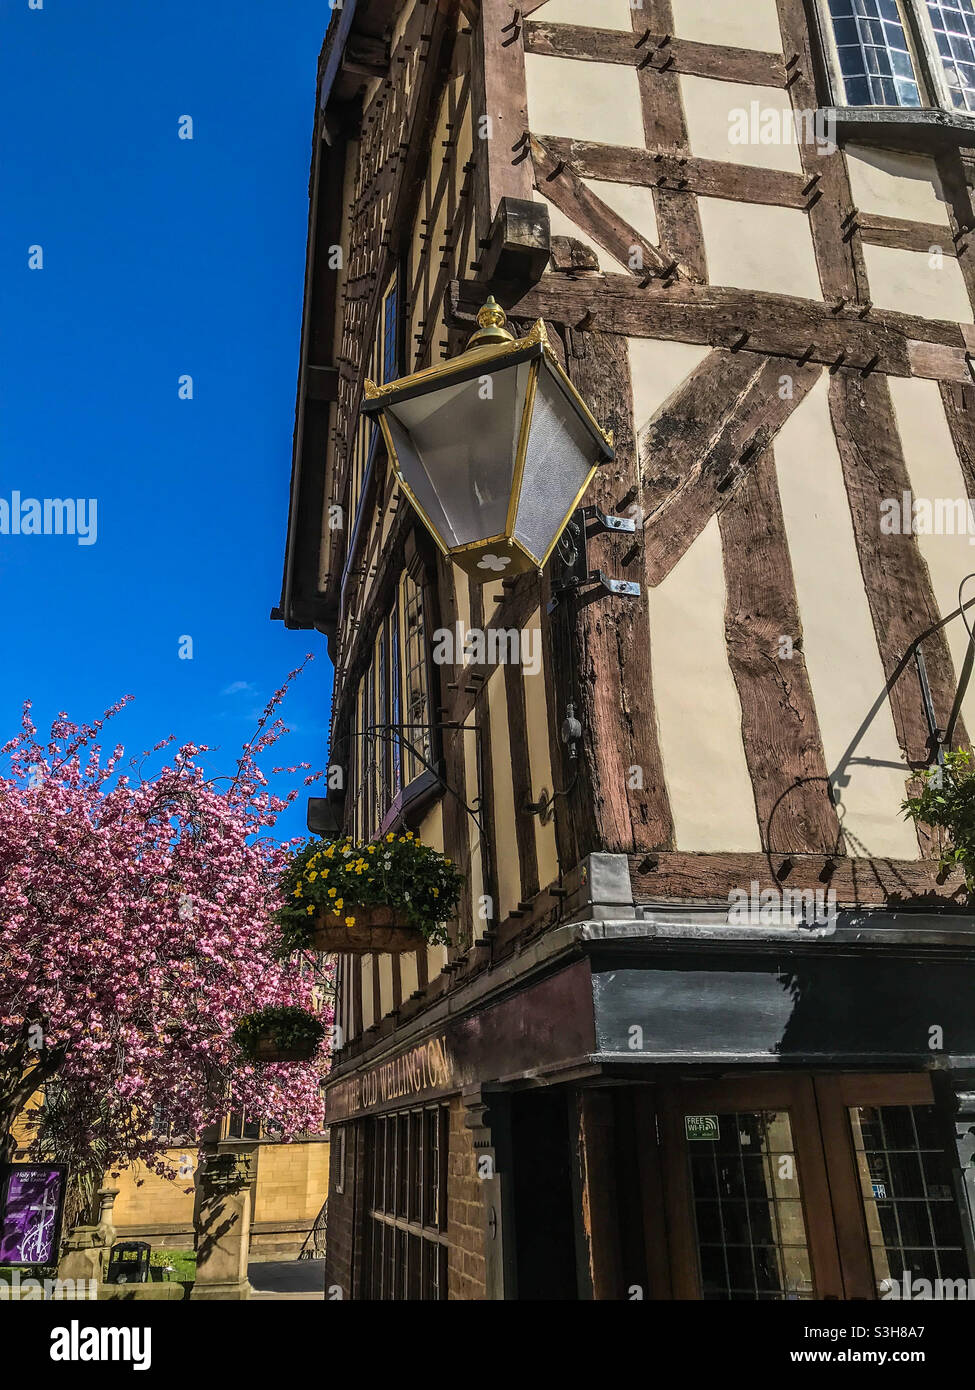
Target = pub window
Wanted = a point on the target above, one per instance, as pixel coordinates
(337, 1158)
(392, 696)
(415, 685)
(406, 1205)
(906, 53)
(382, 365)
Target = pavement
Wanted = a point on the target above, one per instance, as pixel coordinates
(295, 1280)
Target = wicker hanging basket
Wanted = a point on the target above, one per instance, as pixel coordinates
(377, 928)
(268, 1049)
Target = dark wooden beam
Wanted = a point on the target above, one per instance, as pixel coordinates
(675, 876)
(500, 97)
(839, 336)
(780, 730)
(566, 190)
(599, 646)
(698, 450)
(665, 128)
(904, 234)
(366, 56)
(322, 383)
(658, 52)
(712, 178)
(519, 245)
(836, 242)
(895, 574)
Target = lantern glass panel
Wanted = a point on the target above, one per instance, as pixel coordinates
(560, 456)
(456, 449)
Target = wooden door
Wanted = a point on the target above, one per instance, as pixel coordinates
(747, 1191)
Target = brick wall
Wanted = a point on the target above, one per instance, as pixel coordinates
(343, 1243)
(465, 1212)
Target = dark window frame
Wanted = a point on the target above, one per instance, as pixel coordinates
(937, 123)
(406, 1205)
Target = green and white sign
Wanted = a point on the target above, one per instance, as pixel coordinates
(701, 1127)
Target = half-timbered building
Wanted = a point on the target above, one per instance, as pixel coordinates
(705, 1025)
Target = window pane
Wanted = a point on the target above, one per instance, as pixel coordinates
(912, 1220)
(873, 50)
(954, 29)
(751, 1231)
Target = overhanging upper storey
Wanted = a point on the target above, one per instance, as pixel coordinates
(413, 186)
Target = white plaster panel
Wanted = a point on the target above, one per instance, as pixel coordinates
(734, 23)
(764, 138)
(584, 101)
(753, 247)
(594, 14)
(633, 204)
(892, 183)
(845, 670)
(914, 282)
(710, 791)
(935, 472)
(658, 368)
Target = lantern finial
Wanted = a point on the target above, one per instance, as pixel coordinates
(491, 329)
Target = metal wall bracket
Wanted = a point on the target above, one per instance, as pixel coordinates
(610, 523)
(624, 588)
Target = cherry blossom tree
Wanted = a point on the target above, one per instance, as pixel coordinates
(135, 931)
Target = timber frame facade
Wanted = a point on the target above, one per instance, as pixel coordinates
(614, 1079)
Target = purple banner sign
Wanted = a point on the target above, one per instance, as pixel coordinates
(30, 1214)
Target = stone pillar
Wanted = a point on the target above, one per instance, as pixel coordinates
(84, 1254)
(223, 1227)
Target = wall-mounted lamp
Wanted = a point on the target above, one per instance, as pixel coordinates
(494, 448)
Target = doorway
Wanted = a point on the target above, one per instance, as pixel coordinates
(806, 1187)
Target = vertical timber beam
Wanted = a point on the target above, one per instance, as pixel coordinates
(665, 128)
(599, 647)
(598, 1243)
(779, 726)
(836, 241)
(895, 574)
(499, 110)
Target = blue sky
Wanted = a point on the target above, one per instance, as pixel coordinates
(161, 257)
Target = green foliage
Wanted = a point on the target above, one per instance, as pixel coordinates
(948, 802)
(182, 1261)
(290, 1028)
(341, 875)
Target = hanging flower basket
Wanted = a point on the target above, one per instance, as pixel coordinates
(393, 894)
(283, 1034)
(373, 929)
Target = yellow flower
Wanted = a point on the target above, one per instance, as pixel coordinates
(436, 892)
(370, 849)
(312, 876)
(350, 921)
(310, 909)
(390, 837)
(409, 834)
(297, 892)
(446, 861)
(324, 873)
(332, 892)
(339, 905)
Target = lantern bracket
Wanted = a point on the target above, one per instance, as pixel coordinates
(624, 524)
(623, 588)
